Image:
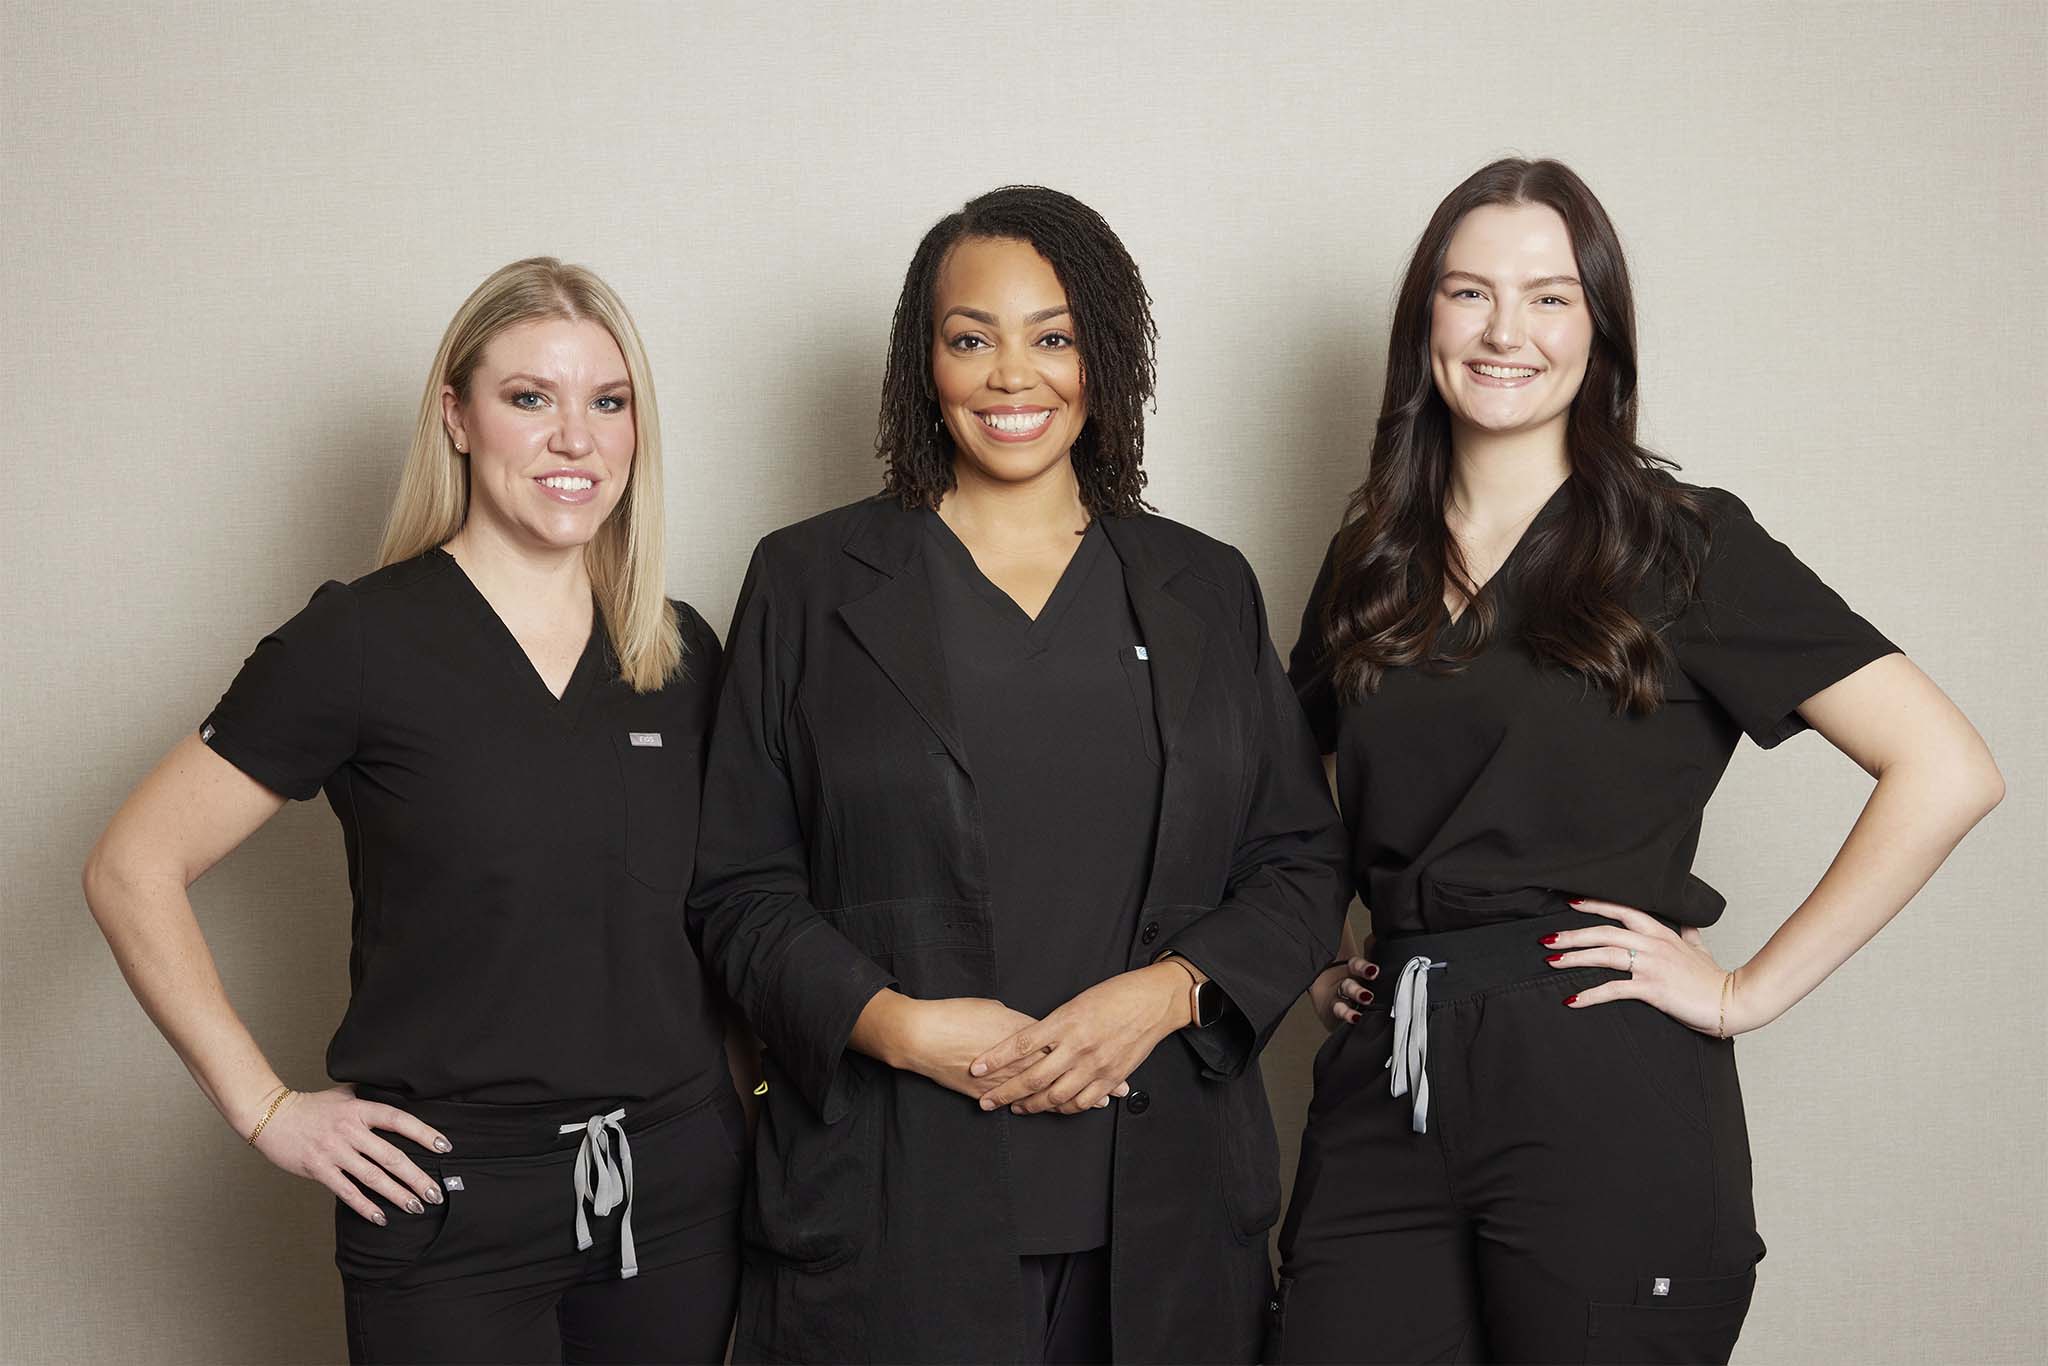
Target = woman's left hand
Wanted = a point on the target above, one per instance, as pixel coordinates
(1671, 971)
(1078, 1056)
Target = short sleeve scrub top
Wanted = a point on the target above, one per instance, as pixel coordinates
(1596, 1158)
(517, 864)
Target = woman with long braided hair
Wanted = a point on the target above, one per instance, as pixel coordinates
(1015, 851)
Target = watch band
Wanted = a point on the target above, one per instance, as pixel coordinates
(1205, 998)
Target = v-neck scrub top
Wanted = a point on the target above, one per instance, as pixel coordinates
(1464, 790)
(1057, 718)
(518, 862)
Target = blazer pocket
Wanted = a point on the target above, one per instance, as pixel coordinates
(656, 774)
(1250, 1156)
(813, 1186)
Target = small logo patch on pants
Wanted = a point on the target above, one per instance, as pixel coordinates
(451, 1183)
(1661, 1286)
(645, 739)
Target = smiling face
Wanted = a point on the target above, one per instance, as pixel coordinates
(1004, 362)
(1509, 330)
(548, 428)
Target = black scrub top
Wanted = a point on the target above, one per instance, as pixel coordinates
(518, 862)
(1056, 717)
(1463, 791)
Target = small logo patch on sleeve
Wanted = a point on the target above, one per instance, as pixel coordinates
(645, 739)
(1661, 1286)
(1141, 652)
(205, 734)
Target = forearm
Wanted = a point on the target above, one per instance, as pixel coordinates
(1916, 815)
(149, 924)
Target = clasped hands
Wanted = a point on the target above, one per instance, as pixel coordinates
(1073, 1060)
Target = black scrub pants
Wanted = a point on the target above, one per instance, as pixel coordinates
(1073, 1289)
(1582, 1192)
(495, 1274)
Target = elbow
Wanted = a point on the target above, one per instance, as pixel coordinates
(100, 880)
(1987, 788)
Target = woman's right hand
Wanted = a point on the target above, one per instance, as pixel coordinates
(938, 1039)
(1340, 991)
(330, 1137)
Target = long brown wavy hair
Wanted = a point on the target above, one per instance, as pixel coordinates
(1627, 524)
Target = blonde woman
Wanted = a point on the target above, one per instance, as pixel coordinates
(533, 1137)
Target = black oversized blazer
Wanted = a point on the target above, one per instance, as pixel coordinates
(841, 850)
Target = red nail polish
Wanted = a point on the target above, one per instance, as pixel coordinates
(1572, 902)
(1549, 939)
(1569, 999)
(1552, 957)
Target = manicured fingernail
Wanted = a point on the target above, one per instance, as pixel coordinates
(433, 1195)
(1016, 1109)
(416, 1207)
(1365, 996)
(987, 1104)
(1102, 1104)
(1550, 939)
(1552, 957)
(1569, 999)
(978, 1068)
(1573, 901)
(379, 1219)
(1372, 970)
(442, 1145)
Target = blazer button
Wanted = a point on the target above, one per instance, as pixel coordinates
(1149, 933)
(1137, 1103)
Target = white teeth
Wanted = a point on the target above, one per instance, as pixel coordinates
(1017, 423)
(568, 483)
(1504, 371)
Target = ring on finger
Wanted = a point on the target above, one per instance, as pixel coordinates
(1631, 962)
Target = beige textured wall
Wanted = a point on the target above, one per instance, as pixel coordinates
(233, 234)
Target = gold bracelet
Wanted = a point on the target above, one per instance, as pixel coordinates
(1727, 981)
(284, 1093)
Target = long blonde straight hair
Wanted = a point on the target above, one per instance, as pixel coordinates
(626, 559)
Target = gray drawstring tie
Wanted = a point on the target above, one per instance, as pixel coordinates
(1410, 1060)
(614, 1184)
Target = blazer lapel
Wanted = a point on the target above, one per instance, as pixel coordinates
(896, 623)
(1174, 633)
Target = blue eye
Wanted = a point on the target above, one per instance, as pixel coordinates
(519, 399)
(618, 404)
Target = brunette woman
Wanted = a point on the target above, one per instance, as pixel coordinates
(533, 1140)
(1533, 651)
(1015, 851)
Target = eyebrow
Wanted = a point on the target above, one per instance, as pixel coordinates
(1537, 283)
(540, 383)
(990, 319)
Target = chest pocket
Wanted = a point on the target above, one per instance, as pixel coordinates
(1137, 670)
(658, 778)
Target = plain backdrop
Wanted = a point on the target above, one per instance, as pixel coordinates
(233, 234)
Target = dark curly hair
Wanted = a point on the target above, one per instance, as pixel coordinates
(1113, 329)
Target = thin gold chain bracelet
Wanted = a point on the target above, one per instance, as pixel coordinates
(1727, 981)
(284, 1093)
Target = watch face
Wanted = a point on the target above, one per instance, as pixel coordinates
(1208, 1004)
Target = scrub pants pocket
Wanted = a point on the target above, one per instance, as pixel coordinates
(1673, 1319)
